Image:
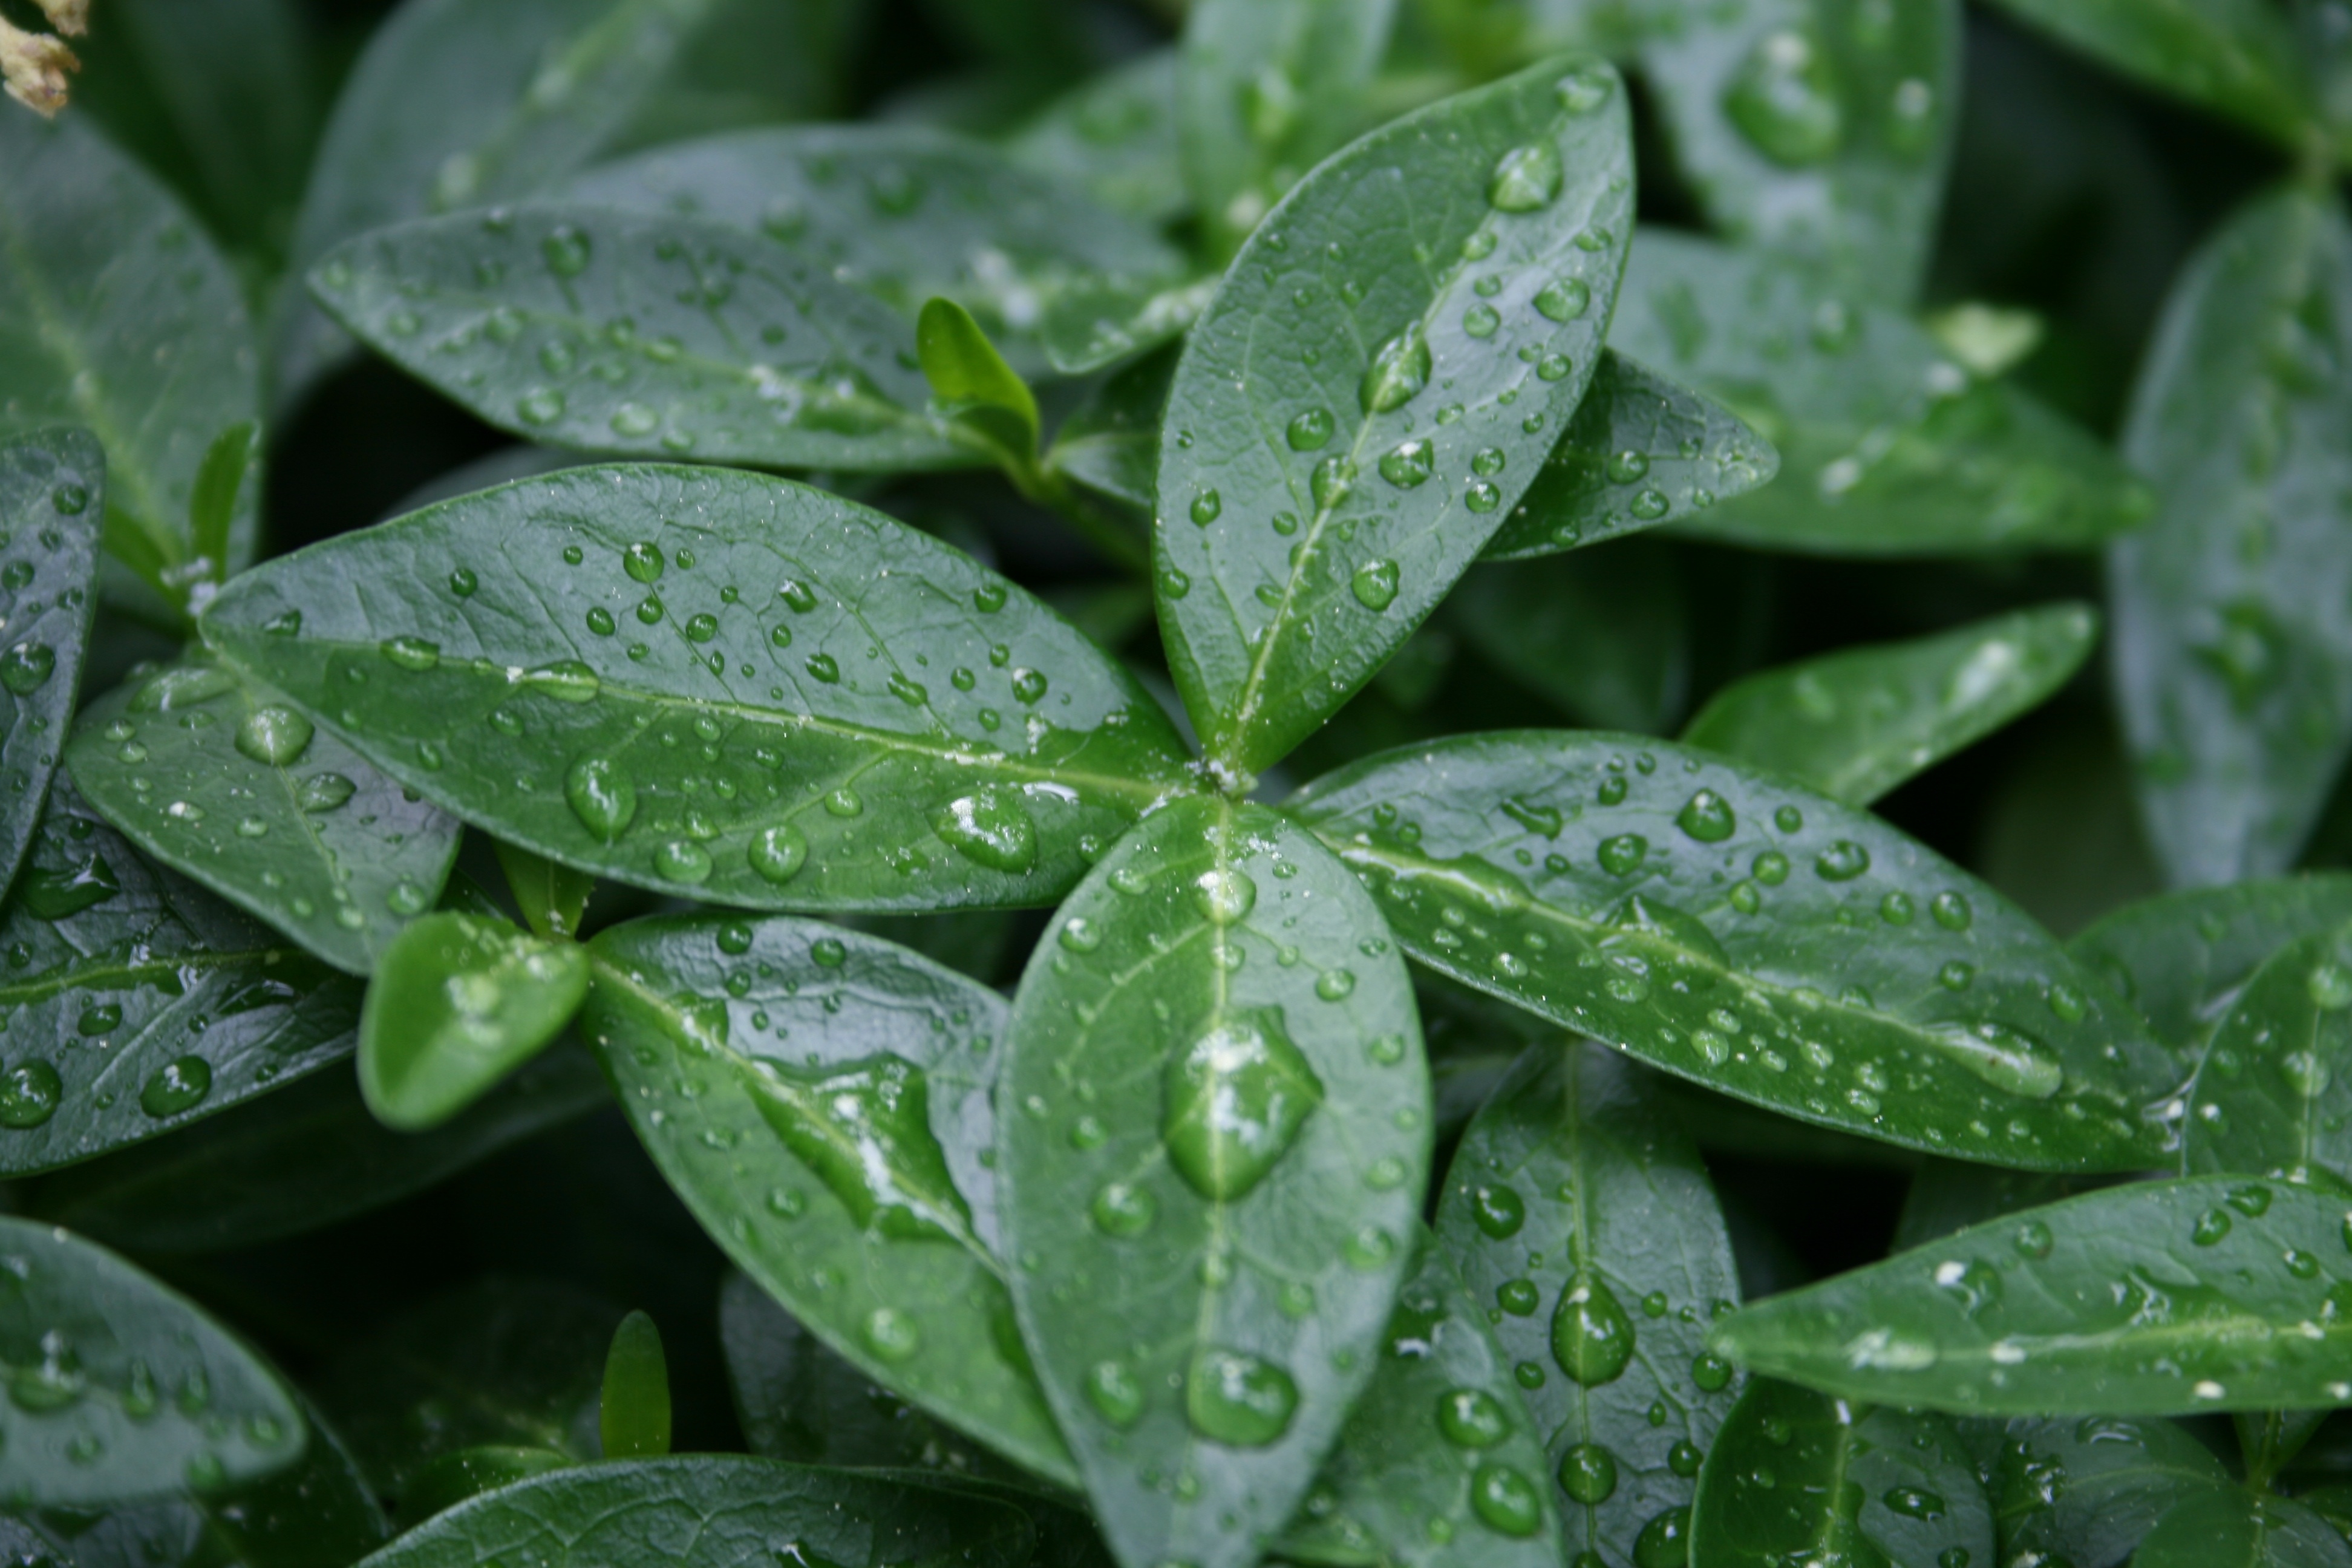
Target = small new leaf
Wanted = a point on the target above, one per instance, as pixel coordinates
(459, 1001)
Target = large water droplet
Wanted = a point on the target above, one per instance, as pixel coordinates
(778, 852)
(1235, 1102)
(29, 1094)
(1783, 98)
(1399, 369)
(1223, 895)
(323, 793)
(1237, 1399)
(26, 668)
(601, 796)
(1472, 1418)
(1665, 1541)
(1504, 1501)
(989, 827)
(1124, 1210)
(177, 1086)
(1914, 1502)
(1527, 178)
(411, 653)
(1707, 818)
(566, 680)
(863, 1129)
(1587, 1473)
(682, 860)
(1499, 1211)
(2008, 1058)
(1116, 1392)
(1592, 1336)
(1375, 584)
(565, 249)
(274, 735)
(1310, 431)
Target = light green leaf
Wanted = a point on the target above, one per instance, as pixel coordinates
(120, 1389)
(2086, 1490)
(1797, 1476)
(552, 897)
(2231, 636)
(974, 388)
(2238, 57)
(1436, 1465)
(143, 1002)
(632, 1412)
(1640, 451)
(2271, 1090)
(1213, 1176)
(1748, 935)
(1314, 507)
(458, 1002)
(220, 779)
(917, 733)
(852, 1186)
(1857, 723)
(1114, 136)
(1818, 129)
(1584, 1222)
(2149, 1299)
(2236, 1528)
(1887, 446)
(1606, 636)
(52, 494)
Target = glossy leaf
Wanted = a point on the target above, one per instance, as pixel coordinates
(1437, 1464)
(1798, 1475)
(1605, 635)
(118, 1388)
(917, 732)
(52, 495)
(2271, 1090)
(2236, 1528)
(552, 897)
(632, 1413)
(2231, 633)
(905, 213)
(222, 780)
(1114, 136)
(1212, 1178)
(1264, 89)
(1584, 1224)
(459, 1001)
(2239, 56)
(1856, 723)
(107, 279)
(581, 326)
(1748, 935)
(2151, 1299)
(1887, 446)
(1640, 451)
(1312, 511)
(1818, 129)
(2086, 1490)
(141, 1003)
(714, 1510)
(852, 1186)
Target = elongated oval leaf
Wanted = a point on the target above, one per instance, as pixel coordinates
(2272, 1090)
(563, 661)
(1346, 430)
(1816, 130)
(138, 1003)
(120, 1388)
(1751, 935)
(2086, 1490)
(1114, 136)
(222, 780)
(613, 331)
(1854, 724)
(2237, 1528)
(1215, 1139)
(1887, 446)
(457, 1002)
(904, 212)
(822, 1101)
(1437, 1465)
(2151, 1299)
(2231, 632)
(52, 495)
(1640, 451)
(714, 1510)
(2239, 56)
(1584, 1224)
(1798, 1475)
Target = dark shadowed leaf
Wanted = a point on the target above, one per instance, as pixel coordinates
(52, 495)
(1605, 635)
(2240, 56)
(2086, 1489)
(1110, 442)
(1948, 1195)
(2236, 1528)
(2271, 1091)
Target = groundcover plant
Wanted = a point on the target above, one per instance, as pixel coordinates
(842, 782)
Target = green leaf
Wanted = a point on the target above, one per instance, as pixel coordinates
(1887, 446)
(52, 495)
(1264, 89)
(211, 503)
(1114, 136)
(1818, 129)
(2149, 1299)
(2236, 1528)
(1110, 443)
(905, 213)
(2230, 630)
(1751, 935)
(141, 1003)
(822, 1100)
(458, 1002)
(1436, 1465)
(118, 1388)
(2270, 1093)
(1314, 509)
(1213, 1175)
(1948, 1195)
(1605, 635)
(298, 1161)
(1584, 1222)
(107, 278)
(2238, 57)
(632, 1413)
(728, 346)
(974, 388)
(220, 779)
(918, 733)
(1797, 1476)
(1856, 723)
(2086, 1489)
(552, 897)
(1640, 451)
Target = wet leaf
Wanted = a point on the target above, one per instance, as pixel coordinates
(52, 495)
(917, 733)
(459, 1001)
(1584, 1224)
(2271, 1090)
(822, 1101)
(1315, 506)
(2230, 632)
(2239, 56)
(118, 1388)
(1216, 1136)
(1114, 136)
(1605, 635)
(2235, 1529)
(225, 781)
(552, 897)
(1856, 723)
(1748, 935)
(2086, 1489)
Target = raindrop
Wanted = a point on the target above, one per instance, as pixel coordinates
(1375, 584)
(1116, 1394)
(1333, 478)
(890, 1334)
(1122, 1210)
(1564, 299)
(1665, 1541)
(1591, 1338)
(411, 653)
(1499, 1211)
(1841, 861)
(1408, 466)
(1506, 1501)
(565, 249)
(2008, 1058)
(1707, 818)
(1223, 895)
(274, 735)
(778, 852)
(1527, 178)
(1399, 369)
(1207, 507)
(2330, 985)
(602, 797)
(1783, 98)
(177, 1086)
(1622, 855)
(1472, 1418)
(682, 860)
(1310, 431)
(323, 793)
(1234, 1102)
(29, 1094)
(26, 668)
(1238, 1399)
(991, 827)
(1587, 1473)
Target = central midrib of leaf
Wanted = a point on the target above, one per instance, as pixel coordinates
(122, 976)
